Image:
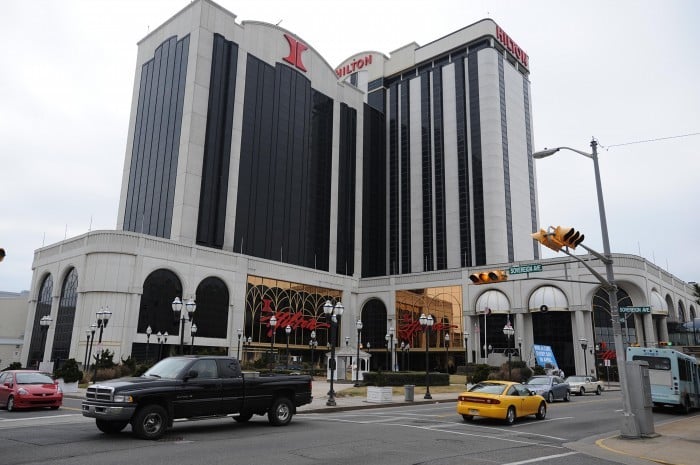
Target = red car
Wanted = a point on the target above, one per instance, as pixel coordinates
(27, 389)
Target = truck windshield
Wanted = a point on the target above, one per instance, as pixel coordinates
(168, 368)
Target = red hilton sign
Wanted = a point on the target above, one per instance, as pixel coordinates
(512, 47)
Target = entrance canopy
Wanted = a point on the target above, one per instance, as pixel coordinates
(548, 298)
(493, 300)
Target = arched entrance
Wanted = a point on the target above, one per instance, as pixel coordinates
(552, 325)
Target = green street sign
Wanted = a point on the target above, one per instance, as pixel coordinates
(525, 268)
(635, 309)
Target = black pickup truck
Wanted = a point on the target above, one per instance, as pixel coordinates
(190, 387)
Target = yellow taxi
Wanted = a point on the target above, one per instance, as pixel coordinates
(503, 400)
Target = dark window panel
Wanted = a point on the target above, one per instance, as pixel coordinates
(374, 194)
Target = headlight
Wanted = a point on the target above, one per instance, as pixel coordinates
(58, 389)
(22, 392)
(123, 398)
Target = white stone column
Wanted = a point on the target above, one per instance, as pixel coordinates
(649, 333)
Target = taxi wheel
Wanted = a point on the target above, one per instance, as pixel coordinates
(541, 411)
(510, 415)
(468, 417)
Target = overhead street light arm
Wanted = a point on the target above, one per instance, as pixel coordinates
(548, 152)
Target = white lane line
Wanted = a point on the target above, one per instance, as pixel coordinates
(39, 418)
(539, 459)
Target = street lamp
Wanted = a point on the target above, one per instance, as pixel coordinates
(520, 347)
(447, 345)
(93, 328)
(386, 338)
(584, 346)
(87, 345)
(629, 424)
(334, 312)
(149, 331)
(273, 323)
(44, 324)
(509, 331)
(193, 332)
(246, 343)
(407, 350)
(466, 357)
(178, 314)
(358, 326)
(426, 322)
(102, 320)
(238, 349)
(288, 330)
(313, 343)
(391, 348)
(162, 339)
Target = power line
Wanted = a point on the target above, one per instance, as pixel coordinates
(651, 140)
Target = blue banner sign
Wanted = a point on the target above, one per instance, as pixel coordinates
(545, 356)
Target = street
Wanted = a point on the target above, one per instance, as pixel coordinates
(429, 433)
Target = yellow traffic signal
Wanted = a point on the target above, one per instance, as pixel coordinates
(547, 240)
(486, 277)
(568, 236)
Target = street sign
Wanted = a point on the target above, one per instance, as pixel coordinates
(607, 362)
(525, 268)
(635, 309)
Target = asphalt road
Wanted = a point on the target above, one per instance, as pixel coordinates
(417, 434)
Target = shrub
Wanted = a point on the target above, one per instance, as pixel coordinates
(105, 359)
(538, 370)
(481, 373)
(69, 371)
(401, 378)
(13, 366)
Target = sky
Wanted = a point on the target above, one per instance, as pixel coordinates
(622, 72)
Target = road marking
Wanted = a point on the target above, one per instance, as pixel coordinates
(39, 418)
(537, 459)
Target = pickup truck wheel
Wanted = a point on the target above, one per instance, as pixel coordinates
(111, 427)
(243, 417)
(150, 422)
(280, 413)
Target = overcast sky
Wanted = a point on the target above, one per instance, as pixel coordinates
(619, 71)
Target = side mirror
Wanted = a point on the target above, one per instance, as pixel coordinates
(533, 393)
(191, 374)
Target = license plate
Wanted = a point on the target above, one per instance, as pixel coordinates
(473, 411)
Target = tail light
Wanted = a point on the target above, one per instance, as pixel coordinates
(479, 400)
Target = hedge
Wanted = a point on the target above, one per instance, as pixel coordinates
(401, 378)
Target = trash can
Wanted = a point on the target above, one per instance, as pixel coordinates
(408, 392)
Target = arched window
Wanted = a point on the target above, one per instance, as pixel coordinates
(374, 324)
(159, 290)
(602, 321)
(211, 316)
(43, 307)
(65, 318)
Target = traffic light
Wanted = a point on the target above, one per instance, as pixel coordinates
(486, 277)
(567, 236)
(556, 238)
(547, 240)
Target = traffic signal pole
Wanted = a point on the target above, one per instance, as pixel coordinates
(629, 427)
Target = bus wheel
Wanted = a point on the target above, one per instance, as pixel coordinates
(685, 406)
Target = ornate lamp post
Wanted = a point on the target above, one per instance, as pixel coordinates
(44, 324)
(102, 320)
(447, 356)
(238, 349)
(386, 338)
(162, 339)
(407, 350)
(334, 312)
(391, 349)
(403, 356)
(178, 314)
(246, 343)
(193, 332)
(427, 323)
(87, 345)
(358, 326)
(520, 347)
(93, 328)
(313, 343)
(288, 330)
(149, 331)
(466, 356)
(584, 346)
(273, 323)
(509, 331)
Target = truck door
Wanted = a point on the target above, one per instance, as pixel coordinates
(200, 396)
(232, 386)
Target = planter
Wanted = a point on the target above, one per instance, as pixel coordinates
(68, 387)
(379, 394)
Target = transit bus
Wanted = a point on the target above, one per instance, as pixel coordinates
(674, 377)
